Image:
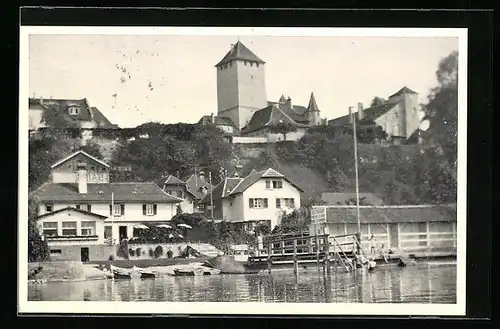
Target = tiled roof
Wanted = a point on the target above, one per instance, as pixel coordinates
(101, 120)
(218, 120)
(86, 112)
(75, 154)
(392, 214)
(222, 189)
(123, 192)
(404, 90)
(63, 104)
(312, 107)
(370, 114)
(72, 209)
(267, 116)
(172, 180)
(341, 198)
(194, 184)
(253, 177)
(240, 52)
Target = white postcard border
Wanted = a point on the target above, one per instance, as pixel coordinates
(25, 306)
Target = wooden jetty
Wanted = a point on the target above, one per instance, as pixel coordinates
(325, 251)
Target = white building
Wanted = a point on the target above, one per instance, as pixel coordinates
(80, 208)
(261, 197)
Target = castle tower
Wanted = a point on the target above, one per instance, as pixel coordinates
(313, 113)
(241, 87)
(408, 119)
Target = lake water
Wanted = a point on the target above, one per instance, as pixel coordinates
(423, 283)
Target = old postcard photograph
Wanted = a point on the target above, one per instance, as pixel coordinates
(242, 170)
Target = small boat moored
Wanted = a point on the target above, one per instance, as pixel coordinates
(144, 274)
(120, 273)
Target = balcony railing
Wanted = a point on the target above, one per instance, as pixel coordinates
(72, 237)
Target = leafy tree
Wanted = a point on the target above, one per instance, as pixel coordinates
(43, 153)
(377, 101)
(282, 128)
(38, 250)
(297, 221)
(353, 202)
(92, 149)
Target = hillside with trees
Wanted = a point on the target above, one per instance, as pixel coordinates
(322, 160)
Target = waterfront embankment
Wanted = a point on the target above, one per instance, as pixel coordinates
(72, 271)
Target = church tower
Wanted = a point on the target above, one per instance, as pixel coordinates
(241, 85)
(313, 113)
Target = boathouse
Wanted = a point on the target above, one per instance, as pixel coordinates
(415, 229)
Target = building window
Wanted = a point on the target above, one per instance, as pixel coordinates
(49, 207)
(251, 63)
(245, 62)
(257, 64)
(69, 229)
(84, 207)
(55, 251)
(108, 232)
(88, 228)
(73, 110)
(49, 228)
(231, 64)
(274, 184)
(258, 203)
(117, 210)
(149, 209)
(285, 202)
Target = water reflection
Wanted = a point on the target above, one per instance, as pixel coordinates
(425, 283)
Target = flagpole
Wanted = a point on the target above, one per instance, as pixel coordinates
(211, 196)
(112, 223)
(356, 168)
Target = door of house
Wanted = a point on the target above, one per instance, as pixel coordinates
(84, 254)
(394, 236)
(122, 231)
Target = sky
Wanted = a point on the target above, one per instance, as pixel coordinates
(134, 79)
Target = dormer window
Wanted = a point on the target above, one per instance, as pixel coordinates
(73, 110)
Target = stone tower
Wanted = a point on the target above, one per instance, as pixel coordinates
(313, 113)
(408, 118)
(241, 85)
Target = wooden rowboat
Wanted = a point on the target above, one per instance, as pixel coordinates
(120, 273)
(145, 274)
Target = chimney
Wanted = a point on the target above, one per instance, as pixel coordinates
(289, 103)
(82, 178)
(360, 111)
(350, 114)
(212, 118)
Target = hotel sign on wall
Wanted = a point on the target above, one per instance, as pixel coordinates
(96, 177)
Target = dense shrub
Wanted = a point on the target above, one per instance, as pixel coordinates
(158, 251)
(151, 252)
(169, 253)
(138, 252)
(131, 252)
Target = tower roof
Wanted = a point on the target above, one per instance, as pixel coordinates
(312, 107)
(282, 99)
(240, 52)
(404, 90)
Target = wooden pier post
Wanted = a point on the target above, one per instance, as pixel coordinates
(295, 261)
(327, 256)
(317, 250)
(269, 262)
